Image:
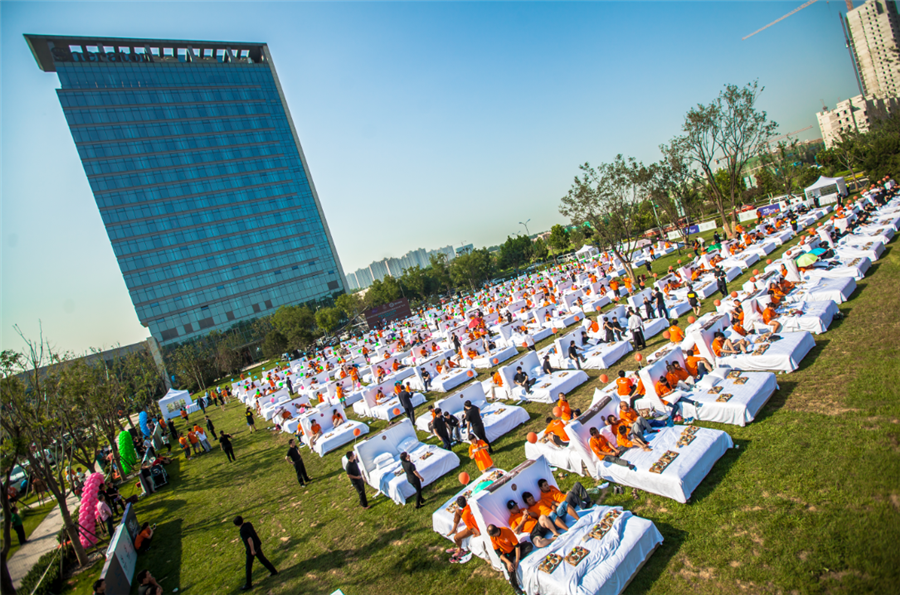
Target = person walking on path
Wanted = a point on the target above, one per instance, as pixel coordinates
(253, 547)
(293, 455)
(227, 447)
(211, 428)
(413, 477)
(356, 479)
(17, 524)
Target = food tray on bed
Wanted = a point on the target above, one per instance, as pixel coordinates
(605, 524)
(715, 390)
(550, 563)
(546, 385)
(761, 349)
(427, 455)
(741, 380)
(663, 462)
(733, 374)
(577, 554)
(685, 440)
(563, 374)
(724, 397)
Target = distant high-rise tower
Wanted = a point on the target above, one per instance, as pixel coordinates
(874, 31)
(199, 176)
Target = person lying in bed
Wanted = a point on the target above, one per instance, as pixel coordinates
(697, 366)
(722, 346)
(630, 416)
(565, 504)
(627, 438)
(556, 432)
(677, 377)
(606, 451)
(535, 525)
(336, 418)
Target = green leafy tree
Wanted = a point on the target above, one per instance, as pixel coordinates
(297, 324)
(515, 252)
(472, 268)
(439, 271)
(417, 283)
(559, 238)
(328, 319)
(383, 292)
(190, 362)
(539, 250)
(274, 344)
(350, 304)
(674, 190)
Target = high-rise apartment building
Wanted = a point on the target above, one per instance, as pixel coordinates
(874, 31)
(854, 115)
(201, 182)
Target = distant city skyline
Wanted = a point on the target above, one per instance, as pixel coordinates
(425, 124)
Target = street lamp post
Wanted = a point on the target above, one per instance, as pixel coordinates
(526, 227)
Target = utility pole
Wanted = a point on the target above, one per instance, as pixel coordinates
(528, 233)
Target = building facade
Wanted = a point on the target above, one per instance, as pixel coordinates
(201, 182)
(874, 32)
(853, 115)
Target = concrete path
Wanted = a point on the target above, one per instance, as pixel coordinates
(41, 541)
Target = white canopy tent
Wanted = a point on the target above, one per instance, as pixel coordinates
(170, 405)
(587, 251)
(826, 188)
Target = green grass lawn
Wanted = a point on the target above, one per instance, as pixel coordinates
(31, 518)
(807, 504)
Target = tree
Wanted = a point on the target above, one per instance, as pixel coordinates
(328, 319)
(383, 292)
(515, 252)
(274, 344)
(190, 361)
(848, 150)
(226, 354)
(539, 250)
(36, 411)
(559, 238)
(674, 189)
(609, 197)
(784, 165)
(417, 282)
(729, 131)
(350, 304)
(13, 448)
(472, 268)
(297, 324)
(440, 272)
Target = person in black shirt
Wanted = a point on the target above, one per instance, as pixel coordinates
(573, 354)
(521, 379)
(356, 479)
(546, 367)
(254, 550)
(453, 427)
(290, 386)
(227, 447)
(248, 414)
(406, 403)
(717, 239)
(293, 455)
(413, 477)
(456, 344)
(721, 280)
(426, 379)
(648, 308)
(693, 300)
(211, 427)
(661, 304)
(472, 417)
(439, 426)
(508, 318)
(617, 329)
(172, 430)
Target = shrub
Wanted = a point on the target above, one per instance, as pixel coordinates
(52, 582)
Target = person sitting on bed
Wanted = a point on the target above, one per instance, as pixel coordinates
(606, 451)
(464, 514)
(677, 378)
(336, 418)
(507, 547)
(380, 397)
(630, 416)
(535, 525)
(624, 386)
(556, 432)
(315, 432)
(627, 438)
(769, 315)
(722, 346)
(542, 508)
(565, 504)
(697, 366)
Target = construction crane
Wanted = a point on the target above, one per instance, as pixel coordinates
(793, 12)
(778, 138)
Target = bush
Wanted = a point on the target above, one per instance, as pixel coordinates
(52, 583)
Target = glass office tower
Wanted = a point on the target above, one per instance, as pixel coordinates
(199, 176)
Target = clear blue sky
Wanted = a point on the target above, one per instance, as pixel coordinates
(435, 123)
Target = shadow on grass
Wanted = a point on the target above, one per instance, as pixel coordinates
(719, 471)
(163, 559)
(656, 565)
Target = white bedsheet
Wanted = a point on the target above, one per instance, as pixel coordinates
(821, 289)
(742, 408)
(609, 567)
(604, 355)
(386, 410)
(337, 437)
(679, 480)
(548, 387)
(397, 488)
(855, 268)
(499, 419)
(563, 457)
(782, 356)
(814, 317)
(442, 519)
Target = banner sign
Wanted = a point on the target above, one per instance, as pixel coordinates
(747, 216)
(768, 210)
(708, 225)
(120, 562)
(382, 315)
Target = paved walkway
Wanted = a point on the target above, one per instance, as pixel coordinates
(41, 541)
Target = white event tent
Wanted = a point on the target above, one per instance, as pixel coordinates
(826, 188)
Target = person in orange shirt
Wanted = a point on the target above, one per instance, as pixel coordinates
(510, 551)
(535, 525)
(556, 432)
(722, 346)
(315, 432)
(614, 286)
(606, 451)
(478, 450)
(624, 386)
(628, 284)
(464, 514)
(565, 410)
(769, 315)
(185, 446)
(697, 366)
(336, 418)
(676, 335)
(565, 504)
(663, 387)
(195, 442)
(542, 508)
(595, 327)
(627, 439)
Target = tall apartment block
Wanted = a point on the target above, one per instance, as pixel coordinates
(198, 172)
(874, 33)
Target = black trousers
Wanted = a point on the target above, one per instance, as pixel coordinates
(445, 439)
(479, 431)
(637, 335)
(524, 549)
(411, 414)
(213, 432)
(20, 532)
(300, 468)
(262, 560)
(360, 487)
(417, 485)
(229, 452)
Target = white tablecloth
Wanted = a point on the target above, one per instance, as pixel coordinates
(782, 356)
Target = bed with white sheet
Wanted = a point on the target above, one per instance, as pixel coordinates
(495, 357)
(379, 457)
(871, 249)
(564, 457)
(854, 268)
(783, 355)
(442, 518)
(814, 317)
(750, 391)
(332, 437)
(498, 418)
(822, 289)
(368, 407)
(612, 562)
(597, 356)
(547, 387)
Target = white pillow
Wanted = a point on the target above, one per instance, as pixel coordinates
(536, 372)
(383, 460)
(708, 381)
(407, 445)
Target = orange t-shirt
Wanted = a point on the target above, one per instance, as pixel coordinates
(557, 427)
(469, 520)
(498, 379)
(717, 346)
(662, 390)
(640, 390)
(676, 335)
(690, 363)
(506, 541)
(566, 410)
(139, 540)
(601, 446)
(623, 386)
(623, 441)
(516, 518)
(768, 315)
(630, 416)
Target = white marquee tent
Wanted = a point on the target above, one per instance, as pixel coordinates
(176, 399)
(825, 188)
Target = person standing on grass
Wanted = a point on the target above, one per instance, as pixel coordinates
(293, 455)
(250, 423)
(693, 300)
(227, 447)
(253, 547)
(17, 524)
(475, 425)
(413, 477)
(195, 442)
(636, 326)
(356, 479)
(211, 427)
(105, 513)
(185, 446)
(173, 430)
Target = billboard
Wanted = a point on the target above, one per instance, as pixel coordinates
(121, 559)
(382, 315)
